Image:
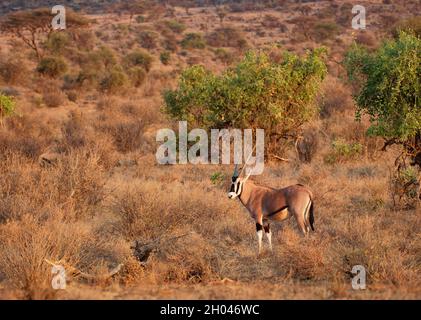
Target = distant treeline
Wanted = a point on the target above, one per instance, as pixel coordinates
(97, 6)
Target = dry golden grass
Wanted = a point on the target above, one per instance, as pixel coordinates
(103, 189)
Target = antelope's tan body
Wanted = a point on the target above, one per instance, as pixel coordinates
(268, 204)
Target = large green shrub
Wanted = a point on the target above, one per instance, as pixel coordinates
(256, 93)
(388, 85)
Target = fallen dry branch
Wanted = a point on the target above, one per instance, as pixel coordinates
(280, 158)
(142, 250)
(78, 273)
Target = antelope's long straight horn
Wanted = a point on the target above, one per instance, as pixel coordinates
(235, 174)
(245, 164)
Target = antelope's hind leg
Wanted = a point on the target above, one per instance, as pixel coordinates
(259, 232)
(268, 233)
(299, 214)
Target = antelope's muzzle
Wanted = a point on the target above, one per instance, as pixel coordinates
(233, 193)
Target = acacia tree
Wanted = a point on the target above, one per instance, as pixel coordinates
(388, 90)
(131, 7)
(256, 93)
(33, 26)
(388, 86)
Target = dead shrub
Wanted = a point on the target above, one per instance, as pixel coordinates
(187, 260)
(25, 245)
(137, 76)
(75, 183)
(336, 98)
(13, 70)
(52, 95)
(227, 37)
(307, 145)
(131, 272)
(127, 135)
(404, 186)
(27, 146)
(137, 212)
(73, 132)
(25, 135)
(325, 30)
(272, 22)
(139, 206)
(170, 43)
(306, 261)
(80, 182)
(106, 103)
(367, 39)
(147, 39)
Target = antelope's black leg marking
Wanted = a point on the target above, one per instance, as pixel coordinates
(268, 235)
(259, 231)
(267, 228)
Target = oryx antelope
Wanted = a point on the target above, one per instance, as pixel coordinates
(268, 204)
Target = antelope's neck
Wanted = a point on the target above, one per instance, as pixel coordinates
(246, 192)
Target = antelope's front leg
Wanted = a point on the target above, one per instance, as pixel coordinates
(259, 231)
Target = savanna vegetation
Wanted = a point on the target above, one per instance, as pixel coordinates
(80, 186)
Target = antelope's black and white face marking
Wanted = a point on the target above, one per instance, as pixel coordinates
(236, 187)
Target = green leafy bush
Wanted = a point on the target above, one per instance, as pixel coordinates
(7, 106)
(113, 81)
(57, 42)
(343, 151)
(217, 178)
(388, 86)
(139, 58)
(106, 56)
(256, 93)
(93, 65)
(175, 26)
(165, 57)
(52, 66)
(193, 41)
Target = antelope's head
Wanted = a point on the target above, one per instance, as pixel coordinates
(238, 180)
(236, 184)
